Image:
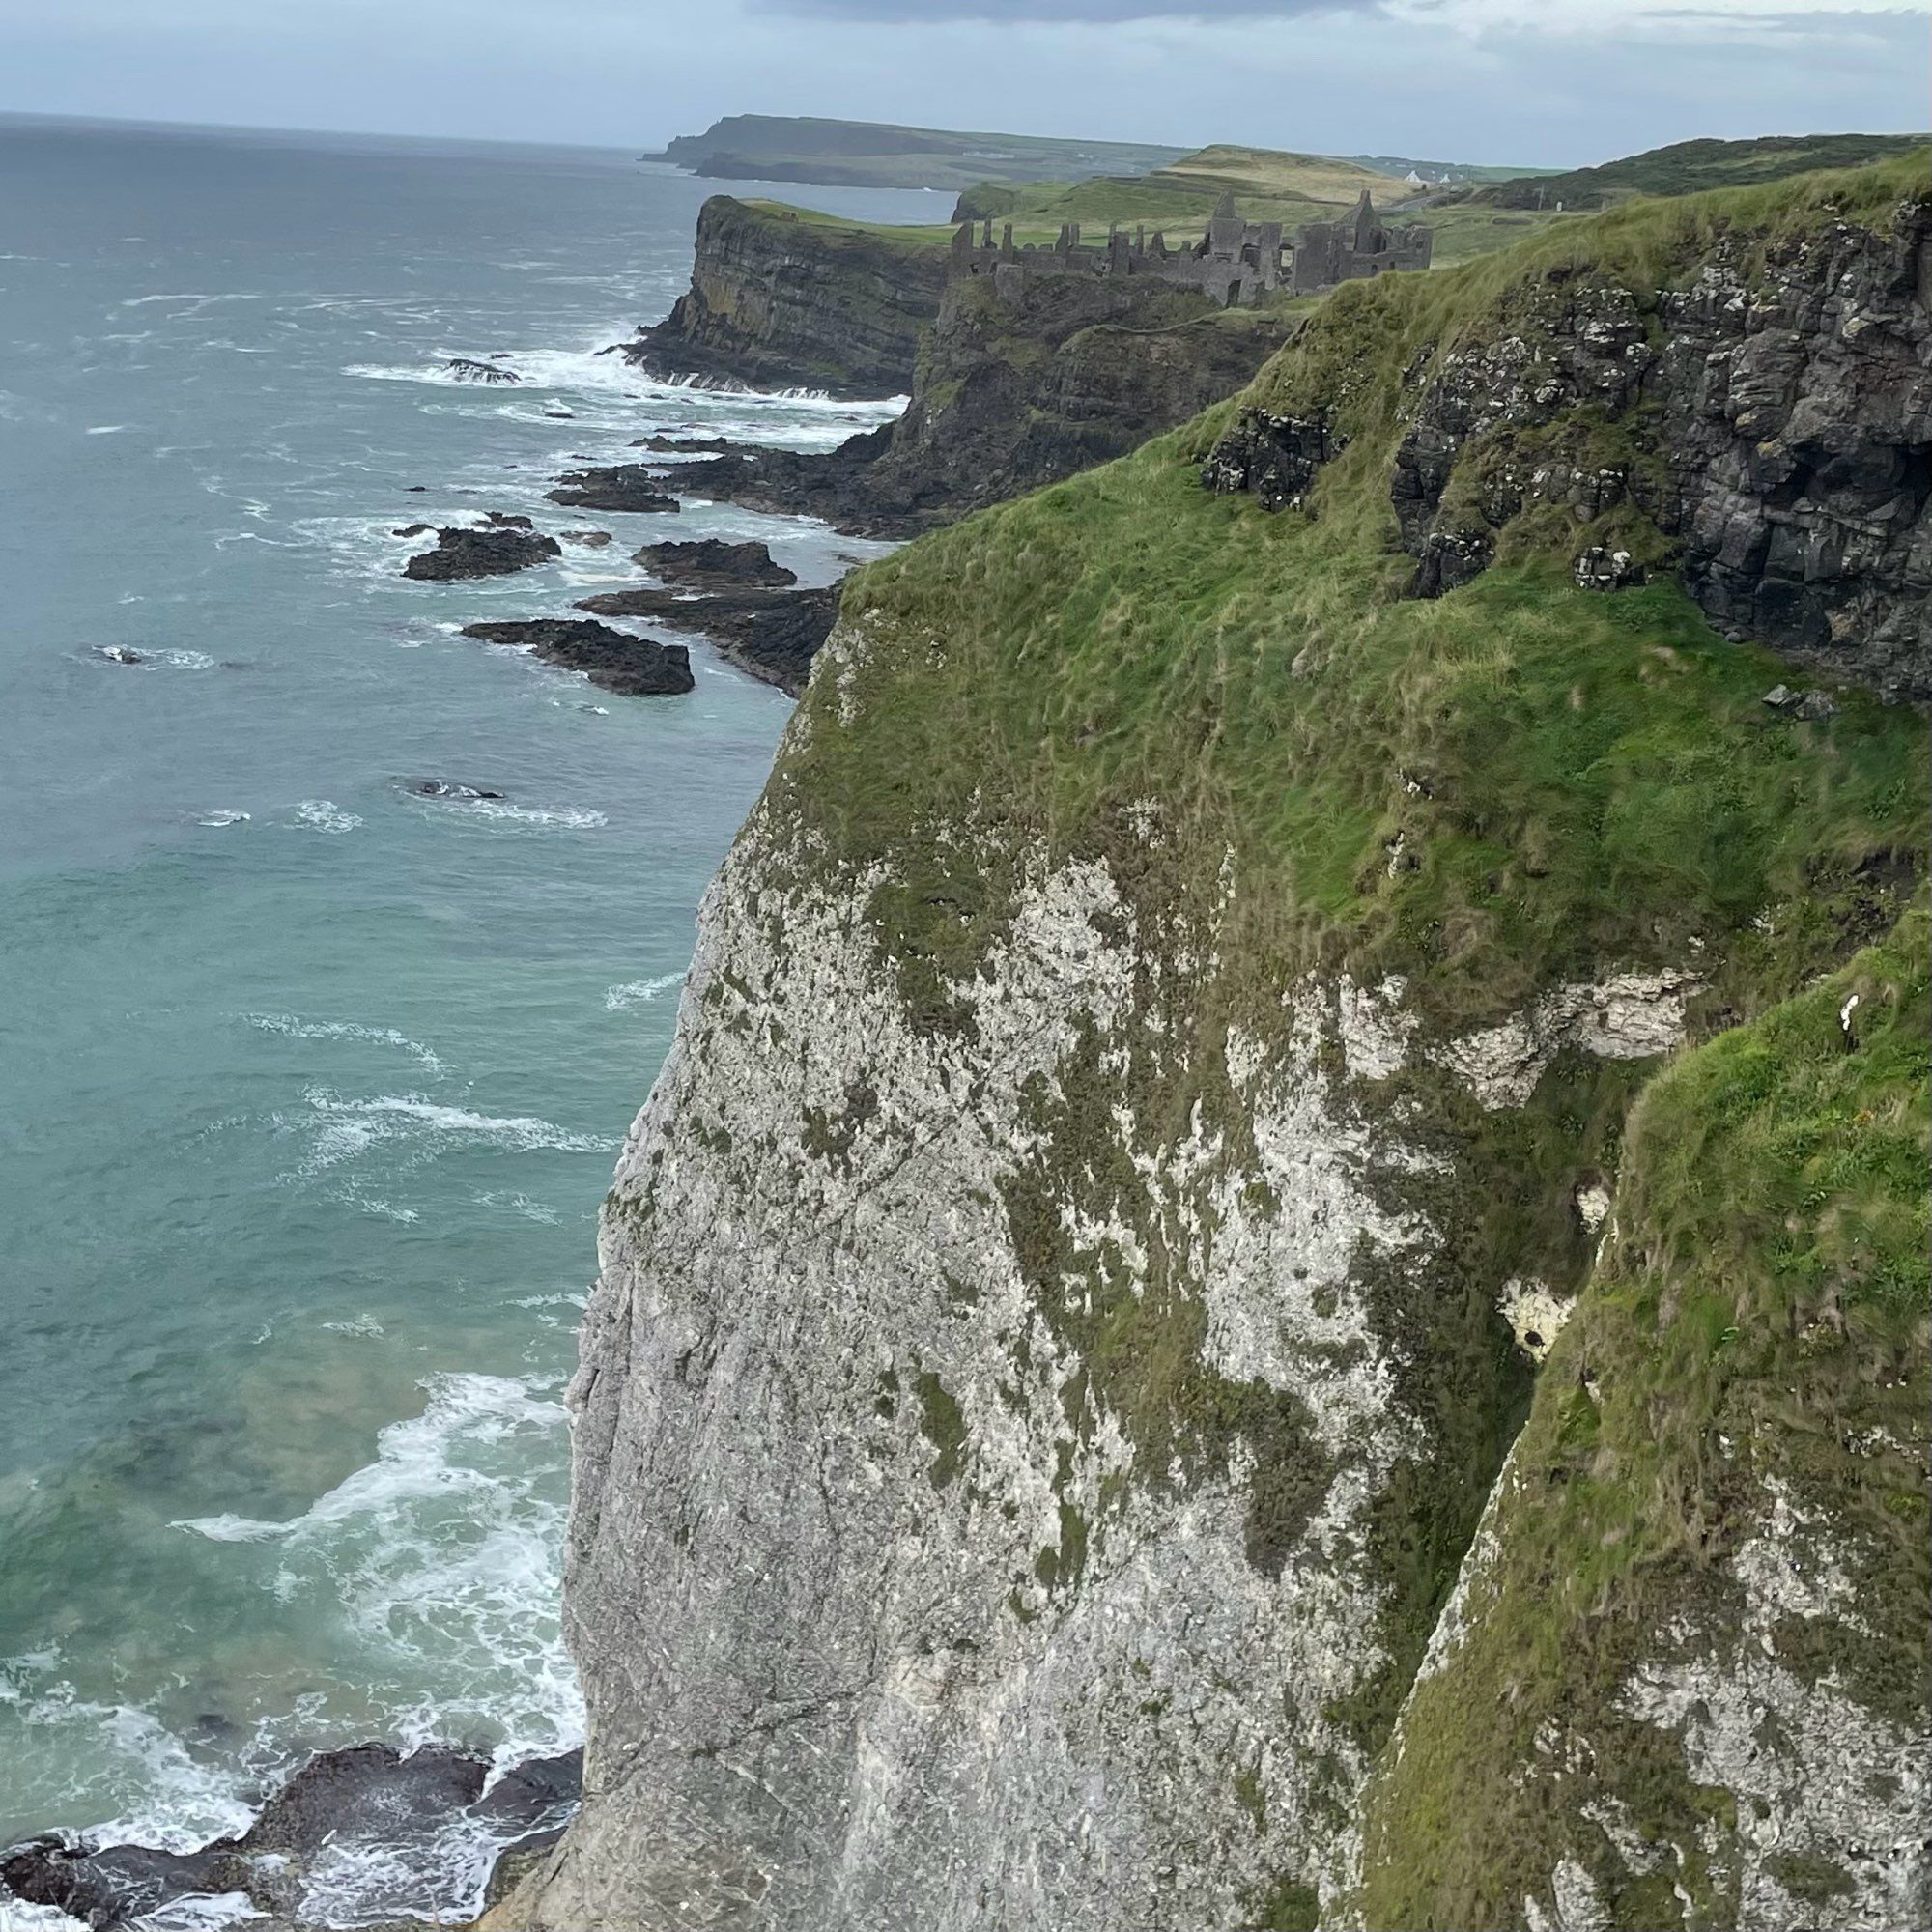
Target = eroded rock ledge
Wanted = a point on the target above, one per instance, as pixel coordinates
(1771, 420)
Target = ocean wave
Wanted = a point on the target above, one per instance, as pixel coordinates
(576, 818)
(638, 992)
(522, 1205)
(171, 1800)
(440, 1560)
(447, 1546)
(292, 1027)
(222, 818)
(107, 429)
(322, 816)
(18, 1916)
(365, 1324)
(343, 1128)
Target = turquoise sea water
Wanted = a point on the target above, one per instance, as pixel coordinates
(309, 1088)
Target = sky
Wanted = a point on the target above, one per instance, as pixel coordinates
(1539, 82)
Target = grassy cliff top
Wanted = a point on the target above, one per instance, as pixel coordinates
(1688, 167)
(1595, 778)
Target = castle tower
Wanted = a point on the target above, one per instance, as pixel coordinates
(1224, 227)
(1365, 225)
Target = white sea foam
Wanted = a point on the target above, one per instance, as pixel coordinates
(363, 1324)
(447, 1546)
(107, 429)
(519, 1204)
(202, 1913)
(347, 1126)
(578, 819)
(222, 818)
(322, 816)
(638, 992)
(292, 1027)
(18, 1916)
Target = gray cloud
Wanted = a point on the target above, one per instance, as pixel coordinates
(1060, 12)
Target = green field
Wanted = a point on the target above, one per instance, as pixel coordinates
(1688, 167)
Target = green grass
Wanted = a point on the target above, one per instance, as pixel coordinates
(1691, 168)
(1764, 1302)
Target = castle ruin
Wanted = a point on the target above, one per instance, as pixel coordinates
(1234, 264)
(1328, 252)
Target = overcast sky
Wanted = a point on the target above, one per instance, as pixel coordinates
(1537, 81)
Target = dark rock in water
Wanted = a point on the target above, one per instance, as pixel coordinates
(587, 539)
(529, 1797)
(559, 415)
(774, 634)
(416, 490)
(467, 371)
(504, 520)
(119, 654)
(413, 530)
(447, 789)
(109, 1888)
(612, 659)
(626, 486)
(369, 1797)
(495, 550)
(370, 1791)
(704, 445)
(709, 564)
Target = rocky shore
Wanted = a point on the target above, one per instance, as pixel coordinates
(406, 1816)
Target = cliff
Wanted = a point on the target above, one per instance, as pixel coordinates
(1278, 1277)
(871, 153)
(782, 298)
(1014, 393)
(1737, 393)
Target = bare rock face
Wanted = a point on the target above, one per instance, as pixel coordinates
(1775, 424)
(774, 634)
(612, 659)
(778, 303)
(504, 546)
(622, 486)
(895, 1678)
(710, 564)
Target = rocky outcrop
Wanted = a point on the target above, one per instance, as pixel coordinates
(1761, 424)
(1012, 393)
(465, 369)
(368, 1803)
(774, 634)
(622, 487)
(612, 660)
(782, 299)
(503, 546)
(709, 564)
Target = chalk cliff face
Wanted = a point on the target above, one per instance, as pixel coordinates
(1278, 1277)
(781, 301)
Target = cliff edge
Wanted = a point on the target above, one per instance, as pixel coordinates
(782, 298)
(1278, 1277)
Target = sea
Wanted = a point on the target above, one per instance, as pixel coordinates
(311, 1085)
